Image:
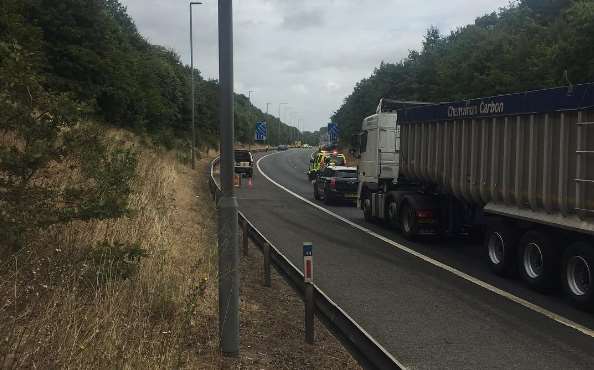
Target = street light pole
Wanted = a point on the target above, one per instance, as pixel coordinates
(227, 232)
(288, 113)
(279, 121)
(250, 95)
(193, 88)
(267, 133)
(292, 118)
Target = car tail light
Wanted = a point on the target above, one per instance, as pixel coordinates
(424, 213)
(333, 183)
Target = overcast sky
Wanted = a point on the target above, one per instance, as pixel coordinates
(309, 53)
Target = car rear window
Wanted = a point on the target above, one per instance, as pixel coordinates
(242, 157)
(336, 160)
(346, 173)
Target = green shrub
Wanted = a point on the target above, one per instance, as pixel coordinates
(54, 168)
(108, 262)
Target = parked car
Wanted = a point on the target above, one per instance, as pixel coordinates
(336, 183)
(283, 147)
(244, 162)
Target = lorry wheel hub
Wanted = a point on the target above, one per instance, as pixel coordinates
(579, 275)
(496, 248)
(392, 210)
(367, 205)
(533, 261)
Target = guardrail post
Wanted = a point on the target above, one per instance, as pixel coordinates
(245, 232)
(309, 292)
(266, 265)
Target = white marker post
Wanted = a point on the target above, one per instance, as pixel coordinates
(309, 291)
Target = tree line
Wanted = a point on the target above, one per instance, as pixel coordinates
(92, 50)
(68, 70)
(531, 44)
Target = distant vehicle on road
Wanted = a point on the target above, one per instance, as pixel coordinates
(244, 162)
(282, 147)
(305, 146)
(322, 160)
(336, 183)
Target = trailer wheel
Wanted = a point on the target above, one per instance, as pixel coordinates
(538, 261)
(578, 275)
(500, 245)
(408, 221)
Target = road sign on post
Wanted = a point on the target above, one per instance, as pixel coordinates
(308, 262)
(333, 132)
(261, 131)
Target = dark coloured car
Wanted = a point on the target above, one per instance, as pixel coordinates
(244, 162)
(283, 147)
(336, 183)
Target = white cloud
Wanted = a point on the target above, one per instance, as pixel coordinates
(309, 53)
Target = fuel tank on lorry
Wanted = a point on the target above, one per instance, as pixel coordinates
(531, 151)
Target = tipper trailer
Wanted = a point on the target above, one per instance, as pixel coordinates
(520, 166)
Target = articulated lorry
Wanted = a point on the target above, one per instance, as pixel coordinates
(519, 167)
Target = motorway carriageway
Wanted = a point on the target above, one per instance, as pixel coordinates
(440, 308)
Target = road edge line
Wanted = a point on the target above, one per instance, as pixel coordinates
(543, 311)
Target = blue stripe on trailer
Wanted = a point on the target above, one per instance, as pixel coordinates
(560, 99)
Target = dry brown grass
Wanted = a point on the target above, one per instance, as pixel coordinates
(63, 307)
(55, 311)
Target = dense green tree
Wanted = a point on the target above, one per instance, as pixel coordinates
(55, 167)
(531, 44)
(92, 50)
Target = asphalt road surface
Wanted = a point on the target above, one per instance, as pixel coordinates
(427, 316)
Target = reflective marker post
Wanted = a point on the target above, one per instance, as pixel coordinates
(309, 292)
(228, 238)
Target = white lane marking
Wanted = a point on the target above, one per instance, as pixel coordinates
(394, 359)
(543, 311)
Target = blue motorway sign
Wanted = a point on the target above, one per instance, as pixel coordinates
(307, 249)
(333, 132)
(261, 131)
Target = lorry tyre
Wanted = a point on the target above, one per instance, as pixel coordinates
(538, 261)
(500, 246)
(577, 275)
(392, 214)
(408, 221)
(366, 205)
